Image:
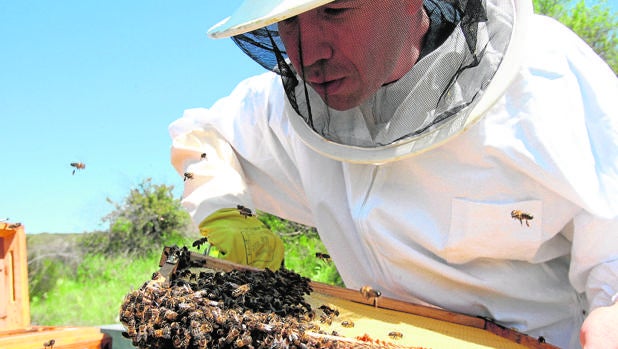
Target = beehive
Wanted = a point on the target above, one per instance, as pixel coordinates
(14, 302)
(16, 331)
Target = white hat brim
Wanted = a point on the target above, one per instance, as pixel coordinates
(255, 14)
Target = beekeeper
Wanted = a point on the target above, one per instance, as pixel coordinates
(462, 154)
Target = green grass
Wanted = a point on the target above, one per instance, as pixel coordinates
(94, 295)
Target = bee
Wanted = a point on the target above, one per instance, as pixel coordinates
(78, 166)
(170, 315)
(15, 225)
(522, 216)
(185, 273)
(199, 242)
(49, 344)
(329, 309)
(232, 335)
(181, 341)
(152, 313)
(203, 156)
(188, 175)
(244, 211)
(202, 342)
(395, 335)
(245, 340)
(186, 307)
(368, 292)
(164, 332)
(126, 314)
(241, 290)
(323, 256)
(175, 326)
(347, 324)
(326, 319)
(206, 327)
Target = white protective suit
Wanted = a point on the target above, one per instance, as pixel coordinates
(437, 226)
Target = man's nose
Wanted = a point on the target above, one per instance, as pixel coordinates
(315, 42)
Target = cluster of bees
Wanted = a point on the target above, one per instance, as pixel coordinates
(237, 309)
(281, 292)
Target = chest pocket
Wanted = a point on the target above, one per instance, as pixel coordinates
(509, 231)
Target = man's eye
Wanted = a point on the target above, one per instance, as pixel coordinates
(335, 11)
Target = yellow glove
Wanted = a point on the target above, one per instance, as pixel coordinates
(242, 238)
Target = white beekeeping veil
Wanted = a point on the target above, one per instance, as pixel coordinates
(470, 55)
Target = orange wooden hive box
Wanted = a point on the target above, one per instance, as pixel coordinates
(16, 332)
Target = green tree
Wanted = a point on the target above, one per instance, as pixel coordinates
(147, 218)
(595, 24)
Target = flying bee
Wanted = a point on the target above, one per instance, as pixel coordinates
(78, 166)
(368, 292)
(199, 242)
(522, 216)
(188, 175)
(241, 290)
(244, 211)
(323, 256)
(203, 156)
(395, 335)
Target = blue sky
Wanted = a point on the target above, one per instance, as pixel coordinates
(99, 82)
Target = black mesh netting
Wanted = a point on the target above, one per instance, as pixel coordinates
(460, 54)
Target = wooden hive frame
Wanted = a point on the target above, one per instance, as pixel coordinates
(396, 309)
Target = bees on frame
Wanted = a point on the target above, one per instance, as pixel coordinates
(522, 217)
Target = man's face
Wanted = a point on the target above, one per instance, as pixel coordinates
(350, 48)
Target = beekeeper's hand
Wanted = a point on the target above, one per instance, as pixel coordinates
(240, 237)
(599, 328)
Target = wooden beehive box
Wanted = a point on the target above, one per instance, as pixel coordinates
(14, 304)
(16, 331)
(375, 322)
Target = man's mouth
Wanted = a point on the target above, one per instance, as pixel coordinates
(327, 87)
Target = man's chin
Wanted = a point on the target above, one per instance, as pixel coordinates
(339, 103)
